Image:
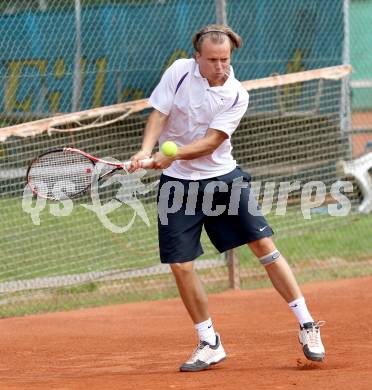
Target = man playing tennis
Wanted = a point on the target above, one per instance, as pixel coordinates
(198, 104)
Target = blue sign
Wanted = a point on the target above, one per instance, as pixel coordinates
(126, 48)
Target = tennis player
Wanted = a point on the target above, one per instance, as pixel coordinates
(198, 104)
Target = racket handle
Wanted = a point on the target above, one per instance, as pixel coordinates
(146, 163)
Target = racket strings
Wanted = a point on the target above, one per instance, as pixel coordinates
(60, 175)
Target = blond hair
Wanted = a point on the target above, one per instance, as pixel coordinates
(217, 34)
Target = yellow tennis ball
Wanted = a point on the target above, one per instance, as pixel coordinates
(169, 148)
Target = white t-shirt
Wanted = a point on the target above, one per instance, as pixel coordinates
(193, 107)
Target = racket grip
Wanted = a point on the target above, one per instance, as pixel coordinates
(146, 163)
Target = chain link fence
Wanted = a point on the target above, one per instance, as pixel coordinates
(65, 56)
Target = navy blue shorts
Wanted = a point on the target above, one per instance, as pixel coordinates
(223, 205)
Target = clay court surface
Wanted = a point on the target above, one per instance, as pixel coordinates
(140, 346)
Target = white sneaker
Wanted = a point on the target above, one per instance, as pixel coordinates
(204, 356)
(309, 337)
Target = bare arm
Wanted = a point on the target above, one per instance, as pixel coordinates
(153, 129)
(202, 146)
(198, 148)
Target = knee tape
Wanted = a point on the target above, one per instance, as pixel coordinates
(270, 258)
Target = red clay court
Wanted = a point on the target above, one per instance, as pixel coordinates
(136, 346)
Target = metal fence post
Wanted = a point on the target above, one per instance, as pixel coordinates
(232, 261)
(221, 14)
(231, 258)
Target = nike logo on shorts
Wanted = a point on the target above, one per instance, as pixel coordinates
(262, 229)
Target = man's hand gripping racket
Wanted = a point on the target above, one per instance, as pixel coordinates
(161, 160)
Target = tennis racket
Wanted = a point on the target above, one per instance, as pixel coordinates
(66, 173)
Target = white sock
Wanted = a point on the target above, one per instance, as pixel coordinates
(300, 310)
(206, 332)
